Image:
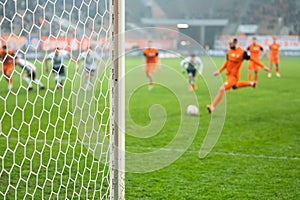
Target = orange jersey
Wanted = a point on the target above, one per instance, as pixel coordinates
(255, 50)
(7, 58)
(274, 50)
(234, 62)
(8, 61)
(151, 55)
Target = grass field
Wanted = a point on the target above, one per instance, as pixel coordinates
(256, 157)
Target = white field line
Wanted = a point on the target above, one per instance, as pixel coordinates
(233, 154)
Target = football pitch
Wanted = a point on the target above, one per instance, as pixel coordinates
(256, 157)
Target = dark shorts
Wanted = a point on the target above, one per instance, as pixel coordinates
(30, 74)
(90, 71)
(59, 70)
(191, 72)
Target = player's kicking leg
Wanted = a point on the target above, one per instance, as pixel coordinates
(227, 86)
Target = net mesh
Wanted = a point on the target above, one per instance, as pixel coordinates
(54, 141)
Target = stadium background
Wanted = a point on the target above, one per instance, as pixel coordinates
(257, 156)
(210, 23)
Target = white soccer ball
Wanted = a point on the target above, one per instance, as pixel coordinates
(192, 110)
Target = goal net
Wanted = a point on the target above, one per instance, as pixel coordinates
(59, 105)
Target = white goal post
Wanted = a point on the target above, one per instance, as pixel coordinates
(117, 174)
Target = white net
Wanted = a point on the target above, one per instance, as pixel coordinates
(54, 128)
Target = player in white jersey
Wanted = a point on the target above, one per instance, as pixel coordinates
(30, 73)
(90, 62)
(190, 65)
(58, 69)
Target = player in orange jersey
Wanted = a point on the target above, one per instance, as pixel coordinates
(151, 61)
(8, 63)
(274, 57)
(235, 58)
(254, 49)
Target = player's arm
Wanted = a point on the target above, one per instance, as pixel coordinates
(222, 68)
(200, 69)
(80, 57)
(256, 61)
(158, 60)
(71, 57)
(182, 65)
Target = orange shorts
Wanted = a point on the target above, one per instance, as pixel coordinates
(8, 69)
(273, 60)
(253, 66)
(150, 68)
(230, 82)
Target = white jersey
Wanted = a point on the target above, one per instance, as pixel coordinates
(58, 61)
(187, 63)
(28, 66)
(89, 60)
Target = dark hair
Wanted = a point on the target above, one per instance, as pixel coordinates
(193, 55)
(4, 47)
(57, 48)
(235, 40)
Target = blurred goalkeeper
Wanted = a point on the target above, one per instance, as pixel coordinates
(90, 62)
(30, 73)
(190, 65)
(57, 58)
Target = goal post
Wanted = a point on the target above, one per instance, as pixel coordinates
(117, 89)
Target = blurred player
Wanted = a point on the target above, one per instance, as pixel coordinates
(8, 63)
(90, 59)
(30, 73)
(235, 58)
(58, 69)
(151, 60)
(254, 50)
(274, 57)
(190, 64)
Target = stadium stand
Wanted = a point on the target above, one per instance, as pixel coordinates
(275, 17)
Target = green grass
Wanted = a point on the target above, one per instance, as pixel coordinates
(257, 156)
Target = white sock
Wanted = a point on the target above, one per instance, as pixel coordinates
(26, 79)
(56, 79)
(38, 83)
(10, 86)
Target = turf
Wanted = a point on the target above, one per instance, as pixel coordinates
(256, 157)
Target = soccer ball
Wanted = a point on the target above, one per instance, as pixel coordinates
(192, 110)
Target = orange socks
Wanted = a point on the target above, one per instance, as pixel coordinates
(255, 77)
(249, 77)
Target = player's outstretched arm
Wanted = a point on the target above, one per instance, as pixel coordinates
(200, 69)
(182, 66)
(221, 69)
